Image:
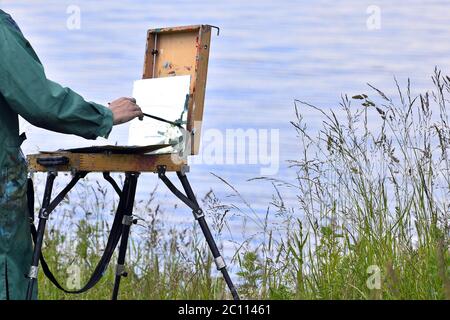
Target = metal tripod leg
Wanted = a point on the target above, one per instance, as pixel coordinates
(218, 259)
(44, 213)
(43, 217)
(129, 192)
(191, 201)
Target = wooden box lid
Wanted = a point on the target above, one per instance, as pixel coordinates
(182, 51)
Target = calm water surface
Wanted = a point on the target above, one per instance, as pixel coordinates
(268, 53)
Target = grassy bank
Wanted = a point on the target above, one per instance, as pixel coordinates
(371, 219)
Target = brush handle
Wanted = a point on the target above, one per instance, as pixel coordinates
(162, 120)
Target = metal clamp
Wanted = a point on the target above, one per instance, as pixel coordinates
(217, 28)
(184, 169)
(33, 274)
(43, 214)
(128, 220)
(161, 170)
(120, 270)
(220, 263)
(198, 213)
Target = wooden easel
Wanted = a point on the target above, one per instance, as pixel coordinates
(169, 52)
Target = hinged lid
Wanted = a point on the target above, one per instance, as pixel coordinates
(182, 51)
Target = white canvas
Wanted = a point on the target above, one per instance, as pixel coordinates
(164, 98)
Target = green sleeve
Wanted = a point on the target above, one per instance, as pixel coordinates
(42, 102)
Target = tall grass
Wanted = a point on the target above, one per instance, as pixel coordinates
(371, 219)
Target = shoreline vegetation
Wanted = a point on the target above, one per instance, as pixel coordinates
(371, 219)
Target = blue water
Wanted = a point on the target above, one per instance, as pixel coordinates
(268, 53)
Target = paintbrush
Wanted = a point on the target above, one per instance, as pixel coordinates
(163, 120)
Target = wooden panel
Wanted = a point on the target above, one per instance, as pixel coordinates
(182, 51)
(91, 162)
(176, 55)
(200, 88)
(179, 44)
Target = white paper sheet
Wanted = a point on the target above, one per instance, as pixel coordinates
(165, 98)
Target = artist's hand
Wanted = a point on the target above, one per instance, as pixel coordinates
(124, 110)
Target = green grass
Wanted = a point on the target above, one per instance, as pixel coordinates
(372, 186)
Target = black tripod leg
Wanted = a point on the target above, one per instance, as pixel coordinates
(199, 215)
(129, 192)
(43, 217)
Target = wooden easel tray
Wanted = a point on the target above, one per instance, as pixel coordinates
(107, 162)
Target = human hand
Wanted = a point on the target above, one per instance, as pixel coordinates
(124, 110)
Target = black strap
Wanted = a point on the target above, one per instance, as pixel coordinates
(113, 239)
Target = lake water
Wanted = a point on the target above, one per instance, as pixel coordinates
(268, 53)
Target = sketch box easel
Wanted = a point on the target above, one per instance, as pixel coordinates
(169, 52)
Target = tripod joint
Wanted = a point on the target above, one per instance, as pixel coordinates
(198, 213)
(43, 214)
(128, 220)
(162, 171)
(185, 169)
(120, 271)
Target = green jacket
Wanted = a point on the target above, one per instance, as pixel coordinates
(26, 91)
